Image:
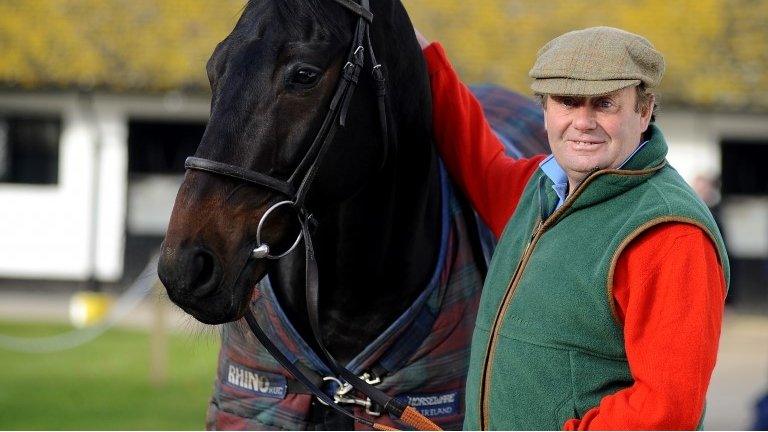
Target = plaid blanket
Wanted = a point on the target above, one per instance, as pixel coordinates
(427, 368)
(517, 120)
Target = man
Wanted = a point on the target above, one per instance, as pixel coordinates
(604, 299)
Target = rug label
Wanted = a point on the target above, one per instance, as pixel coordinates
(256, 382)
(435, 404)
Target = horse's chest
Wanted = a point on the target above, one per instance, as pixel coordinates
(424, 356)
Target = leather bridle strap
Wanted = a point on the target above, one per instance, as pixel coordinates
(338, 108)
(357, 9)
(336, 117)
(393, 406)
(246, 175)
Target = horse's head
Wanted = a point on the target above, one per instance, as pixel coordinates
(272, 81)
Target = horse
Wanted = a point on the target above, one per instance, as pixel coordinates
(393, 247)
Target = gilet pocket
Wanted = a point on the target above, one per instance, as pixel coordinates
(531, 386)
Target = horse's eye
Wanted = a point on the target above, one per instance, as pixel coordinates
(304, 77)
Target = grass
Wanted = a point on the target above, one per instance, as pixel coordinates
(105, 384)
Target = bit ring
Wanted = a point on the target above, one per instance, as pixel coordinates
(262, 249)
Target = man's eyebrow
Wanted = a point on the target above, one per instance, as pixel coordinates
(574, 99)
(612, 94)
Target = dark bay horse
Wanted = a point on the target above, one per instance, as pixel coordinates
(377, 200)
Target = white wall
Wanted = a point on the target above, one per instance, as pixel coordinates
(46, 230)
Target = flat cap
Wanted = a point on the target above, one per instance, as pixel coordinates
(595, 61)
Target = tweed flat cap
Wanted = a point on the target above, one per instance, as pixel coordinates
(595, 61)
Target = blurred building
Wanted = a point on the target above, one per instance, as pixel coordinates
(101, 101)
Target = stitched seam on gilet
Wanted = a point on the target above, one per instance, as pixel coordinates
(559, 348)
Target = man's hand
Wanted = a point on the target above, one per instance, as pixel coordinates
(423, 42)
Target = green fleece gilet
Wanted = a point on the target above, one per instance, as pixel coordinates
(558, 347)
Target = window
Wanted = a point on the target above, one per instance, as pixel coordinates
(29, 149)
(743, 170)
(156, 147)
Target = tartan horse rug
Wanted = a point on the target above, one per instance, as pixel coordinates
(422, 357)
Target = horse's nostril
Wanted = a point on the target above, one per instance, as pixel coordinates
(203, 263)
(204, 277)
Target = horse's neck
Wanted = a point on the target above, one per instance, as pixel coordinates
(375, 253)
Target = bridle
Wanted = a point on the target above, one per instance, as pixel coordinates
(295, 190)
(297, 186)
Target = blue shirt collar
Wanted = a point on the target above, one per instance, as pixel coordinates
(556, 173)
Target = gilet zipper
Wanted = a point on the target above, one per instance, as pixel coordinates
(541, 227)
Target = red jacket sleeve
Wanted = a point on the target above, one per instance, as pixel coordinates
(669, 291)
(475, 158)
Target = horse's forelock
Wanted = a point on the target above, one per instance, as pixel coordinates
(321, 17)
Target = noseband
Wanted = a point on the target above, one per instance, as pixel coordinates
(295, 190)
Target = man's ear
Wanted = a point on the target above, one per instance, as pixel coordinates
(647, 112)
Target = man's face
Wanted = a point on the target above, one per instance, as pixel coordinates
(594, 132)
